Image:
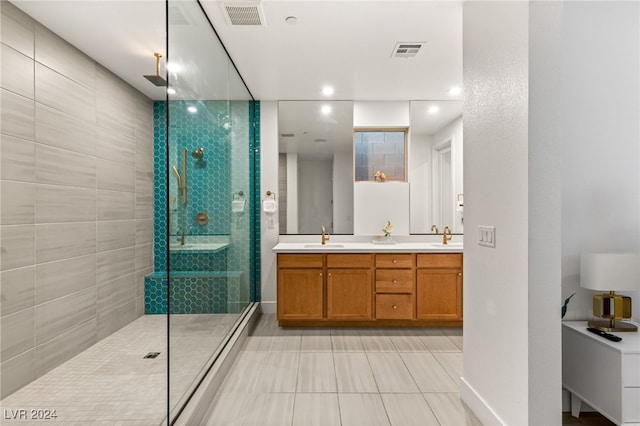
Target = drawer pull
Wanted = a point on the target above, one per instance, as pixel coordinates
(320, 274)
(329, 274)
(395, 306)
(394, 261)
(395, 281)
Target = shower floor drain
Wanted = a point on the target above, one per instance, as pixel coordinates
(151, 355)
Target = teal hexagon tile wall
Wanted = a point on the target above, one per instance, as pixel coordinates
(228, 133)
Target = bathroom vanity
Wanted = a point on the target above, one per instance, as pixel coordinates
(359, 284)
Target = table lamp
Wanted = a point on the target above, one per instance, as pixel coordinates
(611, 272)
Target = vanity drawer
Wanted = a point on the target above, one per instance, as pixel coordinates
(349, 260)
(631, 370)
(439, 260)
(394, 280)
(299, 260)
(394, 260)
(394, 306)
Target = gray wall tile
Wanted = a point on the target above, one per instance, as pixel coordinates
(17, 29)
(115, 319)
(115, 205)
(61, 93)
(144, 206)
(17, 333)
(144, 181)
(115, 293)
(56, 166)
(17, 372)
(116, 147)
(18, 203)
(17, 245)
(116, 234)
(18, 290)
(58, 241)
(140, 281)
(65, 277)
(144, 231)
(16, 115)
(63, 314)
(144, 256)
(17, 72)
(60, 56)
(64, 204)
(115, 176)
(59, 129)
(115, 264)
(116, 104)
(62, 348)
(17, 159)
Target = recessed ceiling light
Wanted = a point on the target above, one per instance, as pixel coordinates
(192, 109)
(327, 90)
(291, 20)
(433, 109)
(171, 91)
(454, 91)
(326, 109)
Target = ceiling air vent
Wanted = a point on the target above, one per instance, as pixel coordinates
(242, 13)
(407, 49)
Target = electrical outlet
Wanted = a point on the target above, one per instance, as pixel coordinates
(487, 236)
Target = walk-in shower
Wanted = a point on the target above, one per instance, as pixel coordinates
(119, 294)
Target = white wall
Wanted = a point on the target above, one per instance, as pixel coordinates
(268, 182)
(292, 192)
(495, 372)
(376, 203)
(314, 197)
(381, 114)
(600, 151)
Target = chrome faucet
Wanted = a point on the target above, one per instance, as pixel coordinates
(434, 229)
(325, 236)
(446, 231)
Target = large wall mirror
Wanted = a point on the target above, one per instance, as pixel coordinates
(316, 175)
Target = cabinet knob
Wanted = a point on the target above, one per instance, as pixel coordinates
(320, 274)
(395, 281)
(329, 274)
(459, 274)
(395, 306)
(394, 261)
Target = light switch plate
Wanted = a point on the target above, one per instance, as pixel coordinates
(487, 236)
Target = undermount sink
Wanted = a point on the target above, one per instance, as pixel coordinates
(325, 246)
(448, 245)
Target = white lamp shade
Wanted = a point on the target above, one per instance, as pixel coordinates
(610, 271)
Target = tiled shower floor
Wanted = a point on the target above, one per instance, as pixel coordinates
(111, 384)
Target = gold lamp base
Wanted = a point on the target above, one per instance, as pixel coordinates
(608, 326)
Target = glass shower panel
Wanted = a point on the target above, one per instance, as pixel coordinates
(209, 127)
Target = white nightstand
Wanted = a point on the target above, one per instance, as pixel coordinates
(602, 373)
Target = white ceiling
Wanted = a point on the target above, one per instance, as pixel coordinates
(346, 44)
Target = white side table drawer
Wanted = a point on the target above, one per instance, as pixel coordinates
(631, 371)
(631, 405)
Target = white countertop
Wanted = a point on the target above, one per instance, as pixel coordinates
(364, 247)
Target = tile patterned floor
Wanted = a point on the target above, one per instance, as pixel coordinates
(338, 376)
(111, 384)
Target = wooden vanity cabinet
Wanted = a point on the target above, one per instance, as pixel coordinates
(366, 289)
(349, 287)
(439, 286)
(300, 287)
(395, 286)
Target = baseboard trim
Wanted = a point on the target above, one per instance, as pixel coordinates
(197, 409)
(269, 307)
(478, 405)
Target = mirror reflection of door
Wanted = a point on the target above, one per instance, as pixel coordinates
(443, 201)
(315, 202)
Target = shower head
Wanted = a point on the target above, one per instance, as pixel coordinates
(157, 79)
(198, 153)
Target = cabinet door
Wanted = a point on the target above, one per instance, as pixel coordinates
(349, 294)
(439, 294)
(300, 294)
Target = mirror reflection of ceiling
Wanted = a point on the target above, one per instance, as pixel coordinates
(304, 129)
